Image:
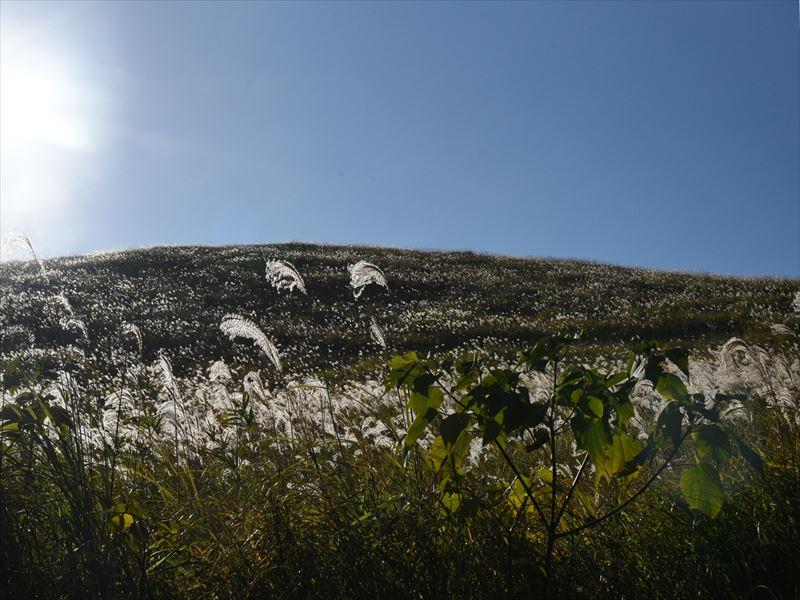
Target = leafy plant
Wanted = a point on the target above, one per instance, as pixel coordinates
(582, 427)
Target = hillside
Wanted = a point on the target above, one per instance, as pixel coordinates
(134, 463)
(436, 301)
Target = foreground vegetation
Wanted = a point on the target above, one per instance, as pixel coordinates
(568, 468)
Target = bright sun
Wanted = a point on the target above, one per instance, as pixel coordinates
(41, 103)
(50, 116)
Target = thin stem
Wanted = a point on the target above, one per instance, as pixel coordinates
(572, 489)
(638, 493)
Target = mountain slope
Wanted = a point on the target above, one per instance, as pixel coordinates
(177, 296)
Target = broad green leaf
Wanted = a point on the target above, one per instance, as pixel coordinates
(490, 431)
(637, 461)
(711, 439)
(522, 414)
(420, 403)
(594, 437)
(452, 426)
(404, 360)
(451, 502)
(671, 387)
(596, 406)
(624, 410)
(668, 425)
(545, 474)
(419, 426)
(625, 449)
(702, 489)
(612, 380)
(540, 438)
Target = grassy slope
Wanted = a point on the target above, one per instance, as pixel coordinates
(310, 518)
(437, 300)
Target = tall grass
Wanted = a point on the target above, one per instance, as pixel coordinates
(310, 493)
(144, 481)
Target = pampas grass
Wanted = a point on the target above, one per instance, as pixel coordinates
(282, 275)
(133, 331)
(376, 333)
(364, 273)
(20, 240)
(73, 324)
(237, 326)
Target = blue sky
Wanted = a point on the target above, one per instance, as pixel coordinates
(644, 133)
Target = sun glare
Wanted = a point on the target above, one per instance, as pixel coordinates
(39, 104)
(49, 126)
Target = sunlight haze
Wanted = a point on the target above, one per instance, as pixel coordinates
(651, 134)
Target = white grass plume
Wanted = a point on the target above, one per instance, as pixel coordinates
(168, 382)
(796, 303)
(237, 326)
(220, 373)
(364, 273)
(73, 324)
(61, 300)
(253, 385)
(133, 330)
(376, 333)
(283, 275)
(20, 240)
(781, 329)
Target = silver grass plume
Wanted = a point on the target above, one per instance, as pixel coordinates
(252, 385)
(168, 382)
(376, 333)
(133, 330)
(117, 404)
(61, 300)
(220, 373)
(796, 303)
(781, 329)
(364, 273)
(282, 275)
(20, 240)
(71, 323)
(236, 326)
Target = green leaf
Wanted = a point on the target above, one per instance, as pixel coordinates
(11, 380)
(612, 380)
(711, 439)
(451, 502)
(540, 438)
(545, 474)
(536, 358)
(593, 436)
(419, 426)
(490, 431)
(624, 410)
(596, 406)
(120, 522)
(671, 387)
(452, 427)
(702, 489)
(521, 414)
(624, 450)
(668, 425)
(403, 361)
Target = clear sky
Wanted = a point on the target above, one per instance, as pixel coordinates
(643, 133)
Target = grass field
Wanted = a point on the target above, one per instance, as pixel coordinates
(149, 451)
